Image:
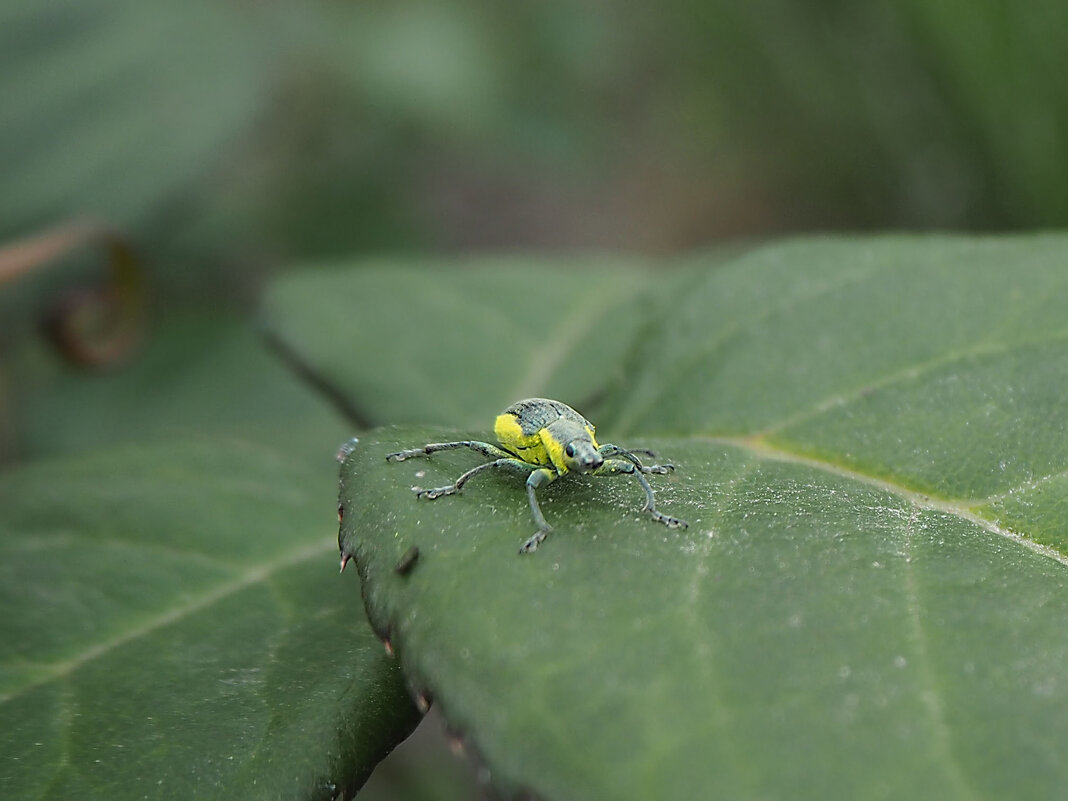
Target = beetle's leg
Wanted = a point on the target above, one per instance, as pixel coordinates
(617, 467)
(538, 478)
(614, 449)
(609, 450)
(507, 462)
(492, 451)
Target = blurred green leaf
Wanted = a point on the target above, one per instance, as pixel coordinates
(865, 444)
(403, 343)
(111, 107)
(200, 372)
(435, 63)
(172, 619)
(174, 625)
(1004, 71)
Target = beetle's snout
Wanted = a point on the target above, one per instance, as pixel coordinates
(592, 461)
(582, 457)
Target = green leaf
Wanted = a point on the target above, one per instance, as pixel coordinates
(198, 373)
(172, 623)
(869, 601)
(174, 626)
(403, 343)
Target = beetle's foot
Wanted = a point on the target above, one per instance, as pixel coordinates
(436, 492)
(400, 456)
(667, 520)
(658, 469)
(532, 544)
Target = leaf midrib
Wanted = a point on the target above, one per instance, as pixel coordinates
(702, 643)
(933, 699)
(584, 315)
(235, 584)
(762, 449)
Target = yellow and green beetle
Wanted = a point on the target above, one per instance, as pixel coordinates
(546, 439)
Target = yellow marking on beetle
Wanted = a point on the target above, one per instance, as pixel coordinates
(529, 447)
(555, 449)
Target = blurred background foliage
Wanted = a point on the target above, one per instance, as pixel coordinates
(224, 134)
(223, 140)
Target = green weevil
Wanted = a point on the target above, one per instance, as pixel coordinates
(546, 439)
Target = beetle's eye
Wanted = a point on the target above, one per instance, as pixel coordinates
(570, 449)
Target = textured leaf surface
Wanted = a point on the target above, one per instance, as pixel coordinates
(870, 599)
(400, 343)
(174, 626)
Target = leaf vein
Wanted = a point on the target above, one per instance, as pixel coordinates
(1026, 486)
(706, 654)
(931, 699)
(908, 372)
(701, 353)
(584, 315)
(762, 449)
(240, 582)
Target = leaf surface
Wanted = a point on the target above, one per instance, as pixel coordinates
(174, 626)
(427, 343)
(171, 619)
(869, 600)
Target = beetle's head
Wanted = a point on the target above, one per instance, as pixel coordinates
(581, 456)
